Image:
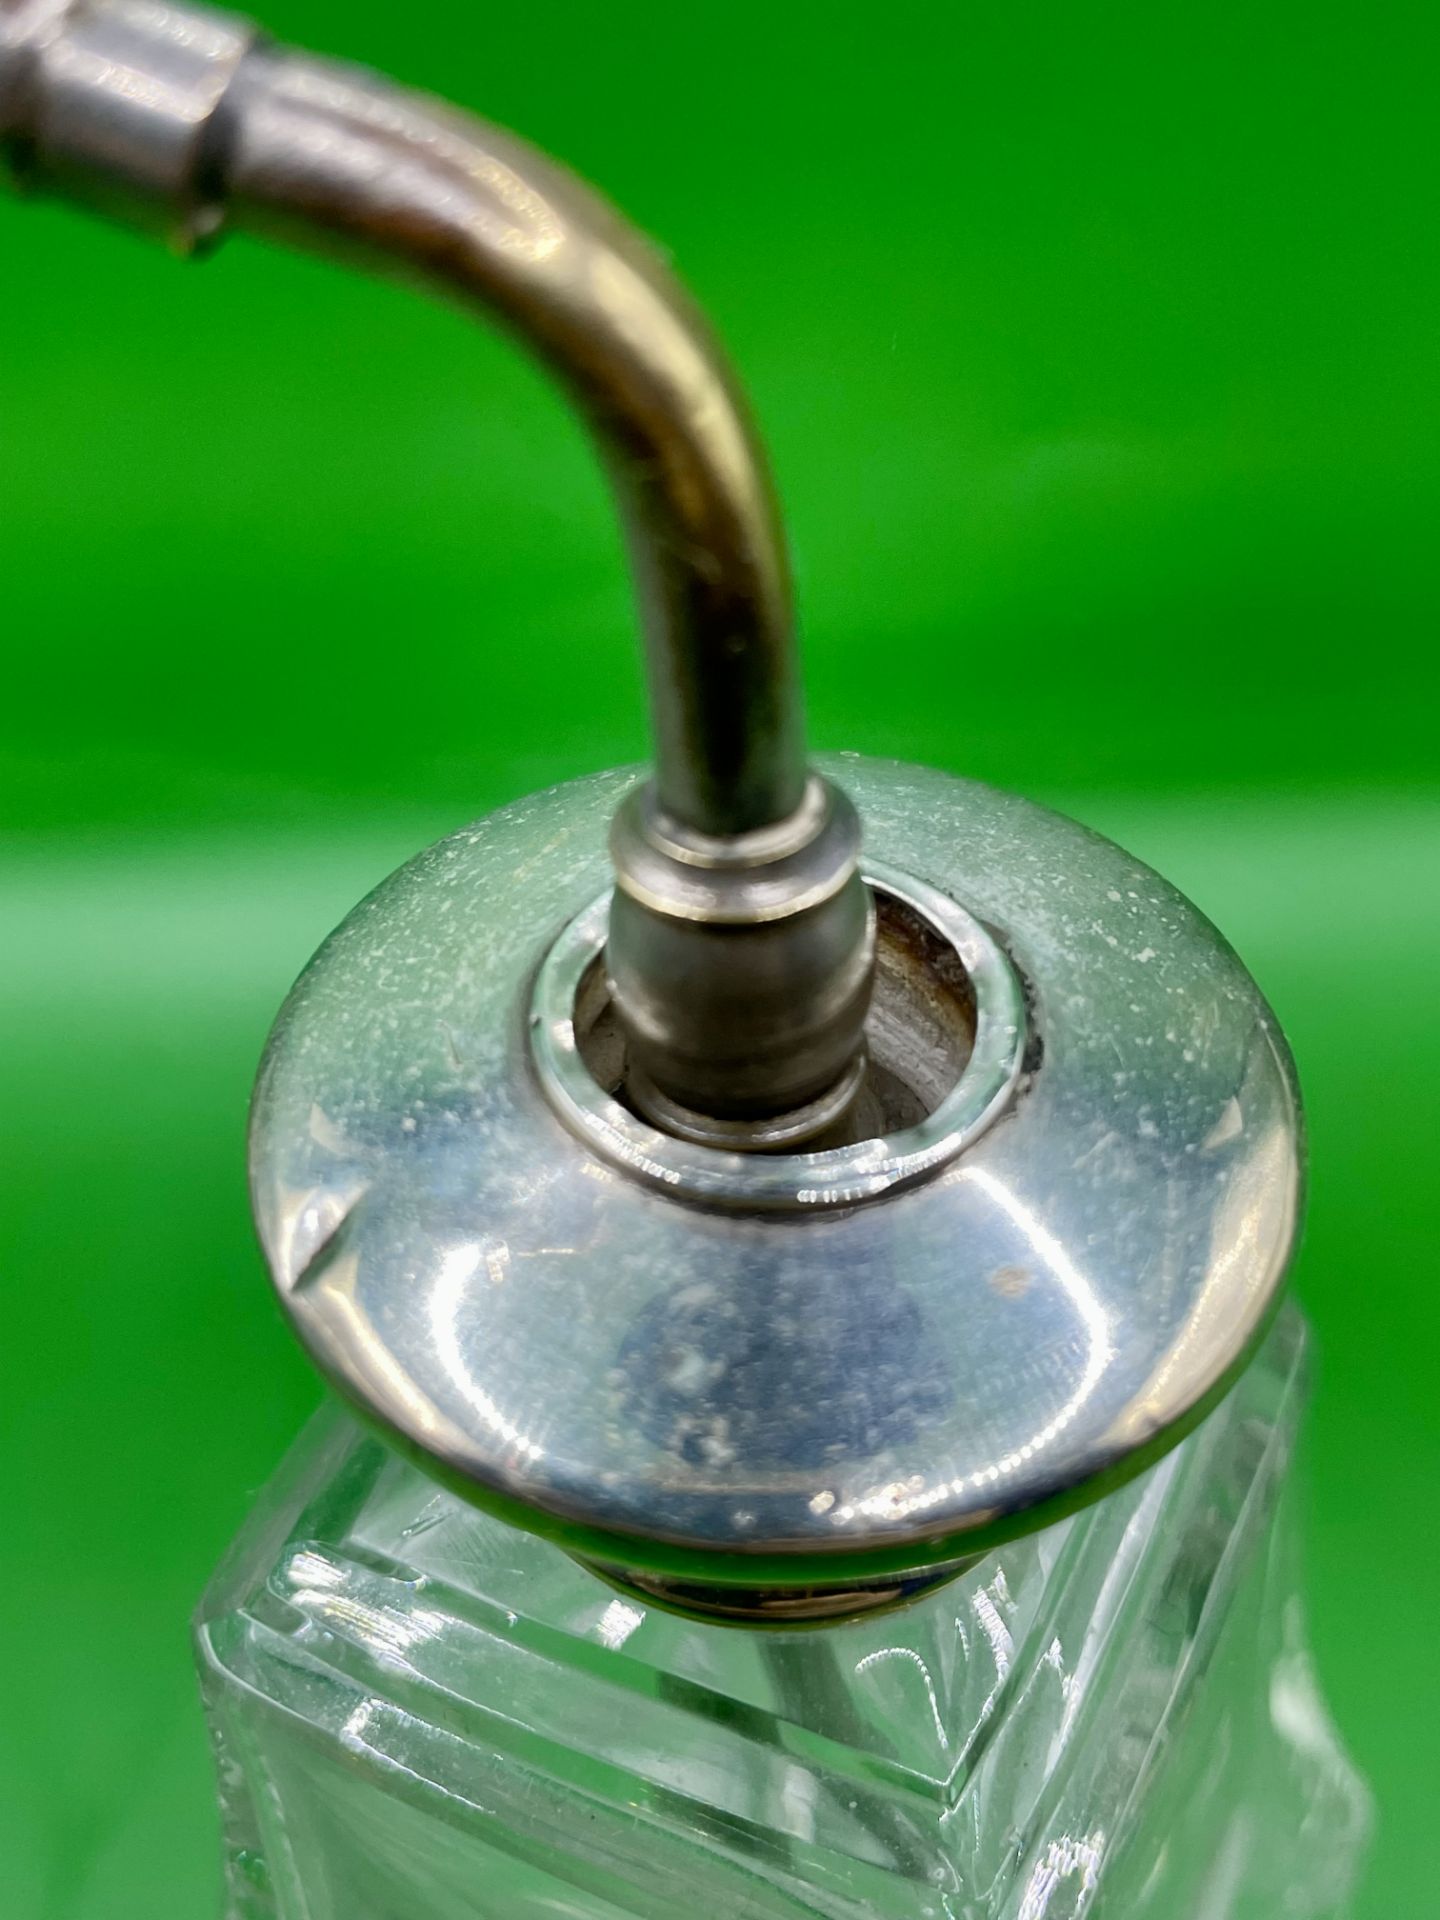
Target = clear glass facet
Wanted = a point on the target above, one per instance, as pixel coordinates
(421, 1714)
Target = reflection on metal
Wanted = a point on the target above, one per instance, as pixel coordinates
(737, 1404)
(812, 1293)
(835, 1176)
(897, 1501)
(457, 1269)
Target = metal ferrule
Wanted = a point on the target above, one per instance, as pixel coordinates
(744, 967)
(117, 104)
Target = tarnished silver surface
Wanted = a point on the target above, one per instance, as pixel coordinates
(705, 1395)
(115, 101)
(799, 1182)
(741, 966)
(785, 1607)
(185, 118)
(701, 1395)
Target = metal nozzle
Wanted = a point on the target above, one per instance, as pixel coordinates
(185, 119)
(742, 966)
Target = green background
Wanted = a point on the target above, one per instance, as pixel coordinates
(1094, 348)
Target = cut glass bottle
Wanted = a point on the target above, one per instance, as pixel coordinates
(420, 1713)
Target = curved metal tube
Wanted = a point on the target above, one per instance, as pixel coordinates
(741, 938)
(192, 119)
